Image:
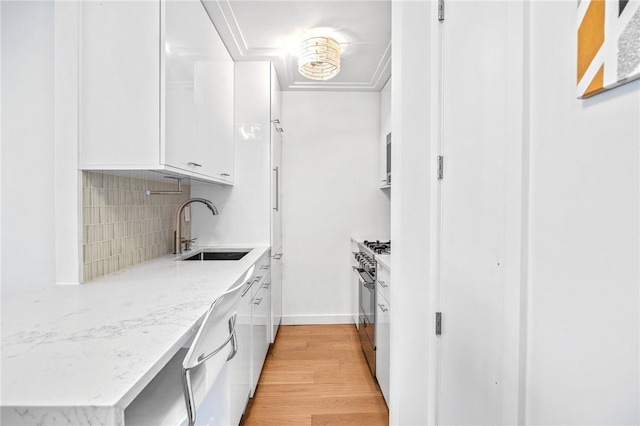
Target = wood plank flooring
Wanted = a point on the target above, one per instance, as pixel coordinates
(316, 375)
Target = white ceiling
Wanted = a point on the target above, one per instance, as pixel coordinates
(270, 30)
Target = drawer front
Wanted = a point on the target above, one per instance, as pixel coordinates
(383, 278)
(261, 271)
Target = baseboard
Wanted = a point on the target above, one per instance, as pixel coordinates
(316, 319)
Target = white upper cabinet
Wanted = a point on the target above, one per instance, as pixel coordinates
(156, 90)
(385, 136)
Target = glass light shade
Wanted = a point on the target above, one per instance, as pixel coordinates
(319, 58)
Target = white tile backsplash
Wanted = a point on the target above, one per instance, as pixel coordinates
(122, 226)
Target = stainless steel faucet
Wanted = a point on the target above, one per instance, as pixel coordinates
(178, 235)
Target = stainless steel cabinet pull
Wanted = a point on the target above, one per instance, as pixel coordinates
(258, 301)
(249, 284)
(278, 256)
(264, 267)
(382, 283)
(225, 174)
(277, 207)
(191, 163)
(382, 308)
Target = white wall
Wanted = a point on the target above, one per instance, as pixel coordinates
(412, 169)
(330, 192)
(580, 179)
(28, 228)
(584, 325)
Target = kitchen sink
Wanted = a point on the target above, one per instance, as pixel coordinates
(219, 255)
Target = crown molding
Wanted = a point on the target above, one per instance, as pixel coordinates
(224, 17)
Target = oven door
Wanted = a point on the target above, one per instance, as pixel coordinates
(368, 300)
(368, 323)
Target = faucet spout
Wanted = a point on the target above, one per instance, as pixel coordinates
(178, 236)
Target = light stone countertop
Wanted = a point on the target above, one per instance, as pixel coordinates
(79, 354)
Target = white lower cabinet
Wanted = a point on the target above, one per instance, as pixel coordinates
(240, 365)
(383, 338)
(383, 333)
(276, 293)
(261, 321)
(253, 338)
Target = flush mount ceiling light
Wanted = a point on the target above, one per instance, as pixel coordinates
(319, 58)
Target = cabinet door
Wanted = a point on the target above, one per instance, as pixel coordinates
(198, 93)
(216, 116)
(260, 323)
(276, 161)
(276, 293)
(276, 189)
(240, 365)
(119, 91)
(383, 349)
(385, 134)
(221, 119)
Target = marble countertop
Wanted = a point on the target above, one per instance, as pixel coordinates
(90, 349)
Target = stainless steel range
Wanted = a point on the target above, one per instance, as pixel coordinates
(365, 270)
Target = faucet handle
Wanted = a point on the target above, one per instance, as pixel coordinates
(187, 242)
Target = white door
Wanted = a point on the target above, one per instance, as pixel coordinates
(474, 343)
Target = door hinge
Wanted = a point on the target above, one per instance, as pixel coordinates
(438, 323)
(441, 10)
(440, 167)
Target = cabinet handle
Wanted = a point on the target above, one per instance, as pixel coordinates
(277, 170)
(264, 267)
(382, 308)
(258, 301)
(249, 284)
(225, 174)
(191, 163)
(382, 283)
(278, 256)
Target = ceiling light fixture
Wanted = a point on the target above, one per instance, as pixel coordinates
(319, 58)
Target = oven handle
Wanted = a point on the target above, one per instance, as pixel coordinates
(356, 270)
(368, 281)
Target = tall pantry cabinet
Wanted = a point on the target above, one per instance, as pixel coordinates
(276, 202)
(156, 90)
(251, 212)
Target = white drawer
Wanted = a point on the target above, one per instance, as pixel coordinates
(383, 278)
(262, 269)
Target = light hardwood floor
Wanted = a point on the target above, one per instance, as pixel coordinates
(316, 375)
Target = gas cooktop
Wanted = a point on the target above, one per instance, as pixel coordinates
(378, 247)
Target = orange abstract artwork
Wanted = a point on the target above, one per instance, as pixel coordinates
(608, 44)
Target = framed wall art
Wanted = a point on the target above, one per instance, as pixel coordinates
(608, 44)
